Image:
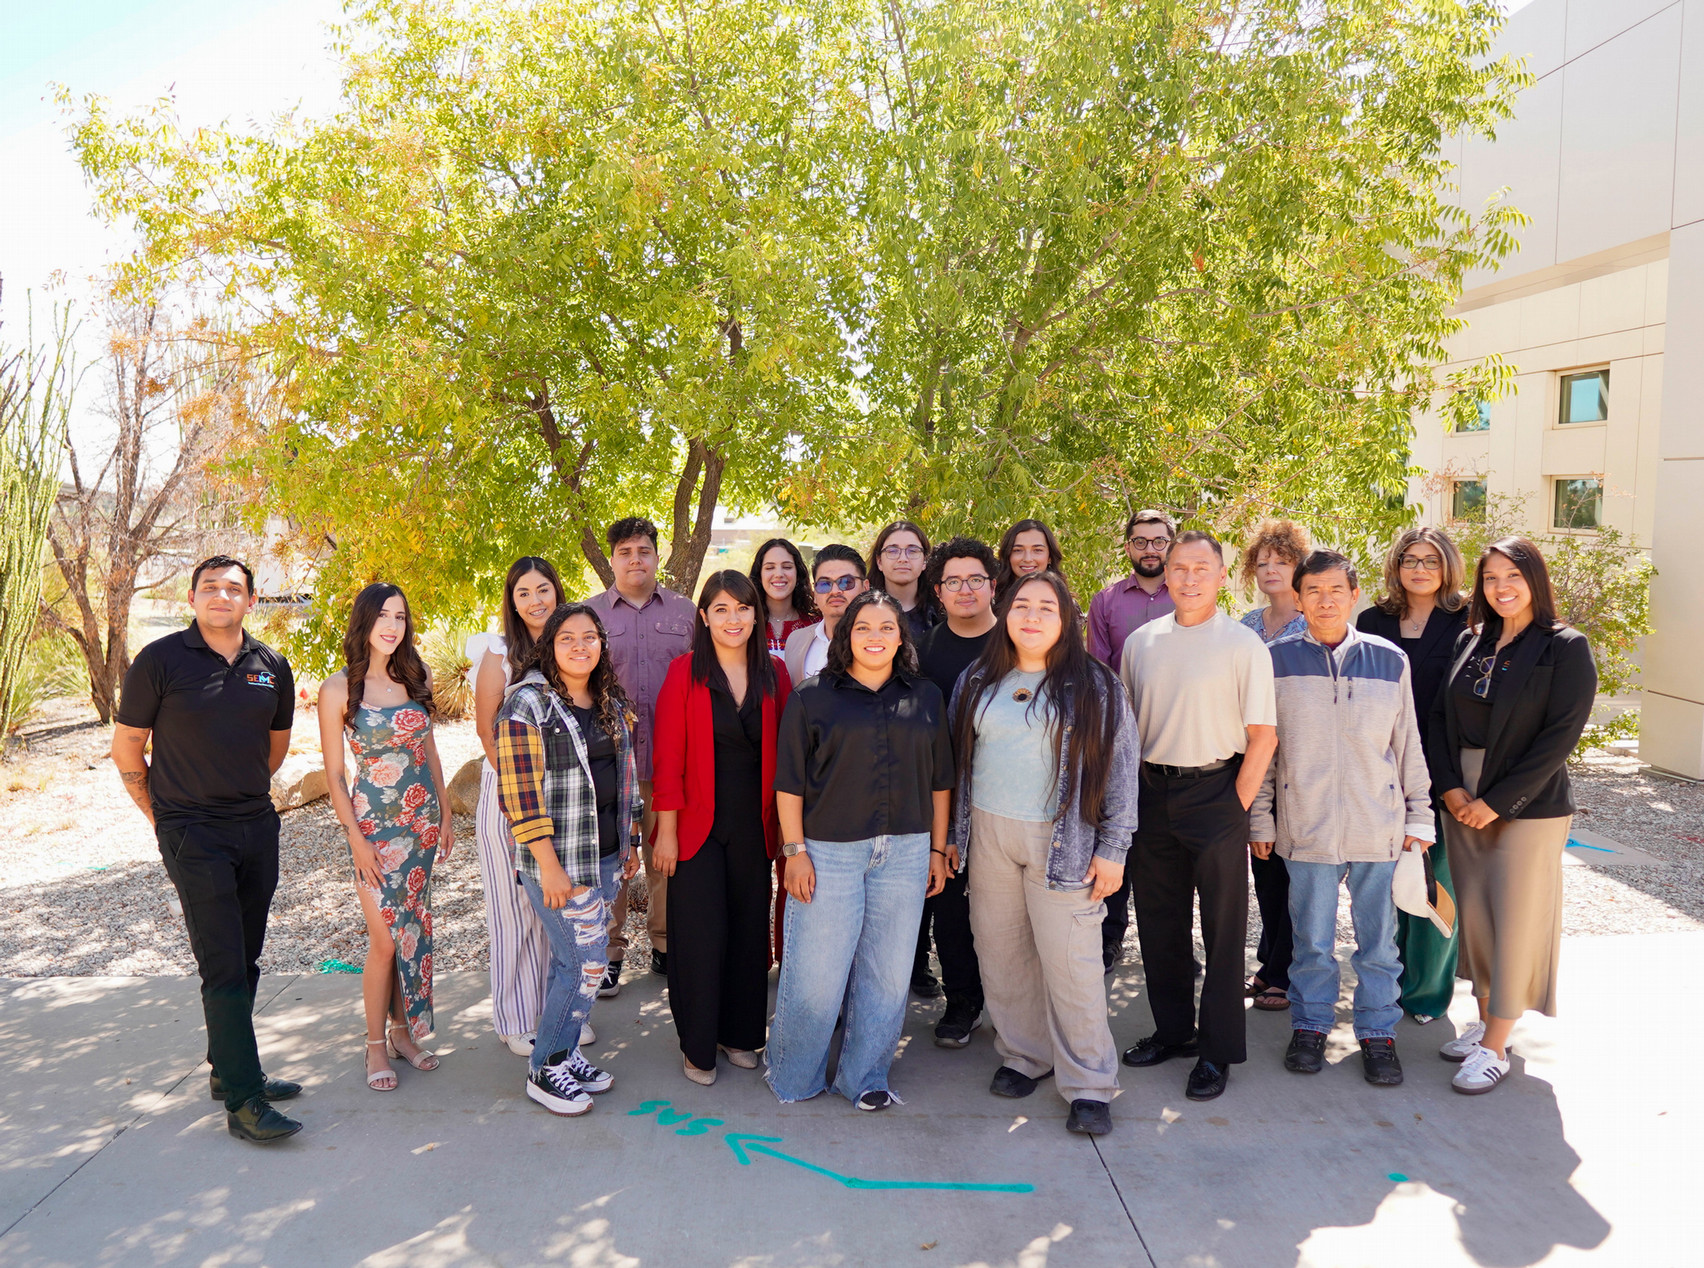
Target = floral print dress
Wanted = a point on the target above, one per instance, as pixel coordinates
(396, 808)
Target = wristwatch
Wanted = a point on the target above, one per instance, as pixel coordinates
(793, 847)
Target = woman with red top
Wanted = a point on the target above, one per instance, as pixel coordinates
(714, 793)
(778, 572)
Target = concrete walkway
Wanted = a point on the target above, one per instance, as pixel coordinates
(112, 1153)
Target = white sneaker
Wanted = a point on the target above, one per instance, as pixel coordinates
(1480, 1072)
(1465, 1044)
(520, 1045)
(556, 1088)
(587, 1034)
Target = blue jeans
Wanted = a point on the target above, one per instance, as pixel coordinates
(579, 954)
(850, 946)
(1314, 976)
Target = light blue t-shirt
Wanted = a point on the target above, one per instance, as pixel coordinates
(1012, 774)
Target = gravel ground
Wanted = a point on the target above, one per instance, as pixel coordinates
(82, 891)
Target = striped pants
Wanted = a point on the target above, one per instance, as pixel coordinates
(520, 948)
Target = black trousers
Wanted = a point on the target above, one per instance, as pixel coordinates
(1272, 893)
(1192, 837)
(1116, 923)
(225, 873)
(718, 912)
(949, 913)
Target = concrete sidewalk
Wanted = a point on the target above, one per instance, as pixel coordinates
(111, 1151)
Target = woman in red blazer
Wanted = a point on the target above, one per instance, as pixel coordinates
(713, 763)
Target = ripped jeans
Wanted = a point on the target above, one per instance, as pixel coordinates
(579, 953)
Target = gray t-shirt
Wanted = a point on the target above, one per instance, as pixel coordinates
(1012, 774)
(1196, 689)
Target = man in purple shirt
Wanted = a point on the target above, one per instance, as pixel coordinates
(1115, 614)
(648, 626)
(1128, 604)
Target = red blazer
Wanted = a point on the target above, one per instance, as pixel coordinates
(683, 757)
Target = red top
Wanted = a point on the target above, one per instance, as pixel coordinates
(684, 755)
(778, 642)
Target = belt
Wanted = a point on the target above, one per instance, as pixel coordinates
(1192, 772)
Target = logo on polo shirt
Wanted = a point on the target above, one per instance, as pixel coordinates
(265, 678)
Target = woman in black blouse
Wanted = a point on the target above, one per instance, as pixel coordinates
(1519, 694)
(863, 780)
(1423, 611)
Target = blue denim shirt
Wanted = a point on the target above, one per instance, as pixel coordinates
(1075, 840)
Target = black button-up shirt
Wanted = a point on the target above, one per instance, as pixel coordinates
(212, 722)
(866, 762)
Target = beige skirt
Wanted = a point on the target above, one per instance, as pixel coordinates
(1508, 882)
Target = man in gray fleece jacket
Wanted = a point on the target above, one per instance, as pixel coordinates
(1346, 794)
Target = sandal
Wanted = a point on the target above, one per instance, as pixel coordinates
(420, 1060)
(1272, 999)
(1253, 987)
(376, 1078)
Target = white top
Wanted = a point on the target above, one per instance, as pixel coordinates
(477, 646)
(816, 655)
(1195, 689)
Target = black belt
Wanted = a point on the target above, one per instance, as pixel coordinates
(1192, 772)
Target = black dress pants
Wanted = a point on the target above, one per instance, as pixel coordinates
(718, 910)
(1272, 894)
(225, 873)
(1192, 837)
(1116, 923)
(949, 914)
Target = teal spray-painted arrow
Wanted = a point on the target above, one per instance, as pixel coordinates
(744, 1143)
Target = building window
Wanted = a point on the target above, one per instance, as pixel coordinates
(1467, 497)
(1481, 420)
(1579, 504)
(1585, 397)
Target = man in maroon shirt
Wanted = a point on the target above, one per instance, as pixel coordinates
(648, 626)
(1131, 602)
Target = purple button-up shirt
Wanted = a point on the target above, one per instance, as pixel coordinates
(1119, 611)
(642, 642)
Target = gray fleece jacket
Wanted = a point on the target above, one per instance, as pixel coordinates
(1349, 779)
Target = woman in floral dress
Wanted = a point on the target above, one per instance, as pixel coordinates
(397, 818)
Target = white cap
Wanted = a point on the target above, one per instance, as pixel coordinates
(1410, 890)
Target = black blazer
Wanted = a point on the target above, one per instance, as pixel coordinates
(1542, 706)
(1429, 661)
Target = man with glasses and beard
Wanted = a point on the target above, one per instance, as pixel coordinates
(838, 576)
(1131, 602)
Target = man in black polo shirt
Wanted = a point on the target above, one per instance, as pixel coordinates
(218, 705)
(961, 573)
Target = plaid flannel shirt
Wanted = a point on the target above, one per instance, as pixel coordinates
(544, 782)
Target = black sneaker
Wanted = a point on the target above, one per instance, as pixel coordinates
(875, 1099)
(924, 985)
(1089, 1118)
(610, 987)
(953, 1030)
(256, 1120)
(1014, 1083)
(1306, 1053)
(274, 1090)
(556, 1088)
(1379, 1063)
(588, 1075)
(660, 962)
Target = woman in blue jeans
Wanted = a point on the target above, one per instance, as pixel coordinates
(863, 781)
(568, 784)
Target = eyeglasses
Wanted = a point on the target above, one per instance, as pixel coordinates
(902, 552)
(823, 585)
(955, 584)
(1414, 563)
(1486, 665)
(1148, 543)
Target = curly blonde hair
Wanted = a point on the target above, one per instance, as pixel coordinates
(1285, 537)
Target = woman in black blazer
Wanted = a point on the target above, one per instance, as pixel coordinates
(1518, 695)
(1423, 611)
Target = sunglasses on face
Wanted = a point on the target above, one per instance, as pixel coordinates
(823, 585)
(955, 584)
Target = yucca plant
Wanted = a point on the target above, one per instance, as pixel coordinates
(444, 649)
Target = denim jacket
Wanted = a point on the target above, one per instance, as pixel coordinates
(1075, 840)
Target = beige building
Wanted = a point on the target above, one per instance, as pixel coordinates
(1601, 315)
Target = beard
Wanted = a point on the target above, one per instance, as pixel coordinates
(1146, 569)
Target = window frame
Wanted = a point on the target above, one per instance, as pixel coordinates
(1456, 515)
(1482, 426)
(1556, 485)
(1564, 379)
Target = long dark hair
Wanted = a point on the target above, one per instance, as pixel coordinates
(609, 702)
(1055, 556)
(1525, 555)
(706, 666)
(404, 666)
(803, 601)
(516, 637)
(840, 646)
(1071, 674)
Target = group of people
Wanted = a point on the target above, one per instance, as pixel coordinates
(931, 746)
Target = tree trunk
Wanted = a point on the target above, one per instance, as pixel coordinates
(689, 537)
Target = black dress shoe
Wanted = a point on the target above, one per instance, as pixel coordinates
(1008, 1082)
(1151, 1051)
(256, 1120)
(924, 985)
(1379, 1063)
(1306, 1053)
(660, 962)
(1089, 1118)
(274, 1090)
(1206, 1080)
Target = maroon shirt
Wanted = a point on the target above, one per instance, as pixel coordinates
(1119, 611)
(642, 642)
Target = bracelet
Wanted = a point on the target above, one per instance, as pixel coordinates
(933, 850)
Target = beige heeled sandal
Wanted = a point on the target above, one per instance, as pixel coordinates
(744, 1058)
(376, 1078)
(704, 1078)
(421, 1060)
